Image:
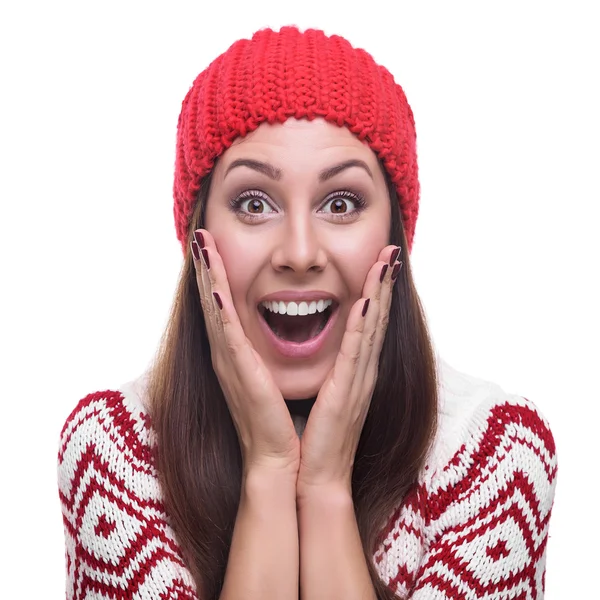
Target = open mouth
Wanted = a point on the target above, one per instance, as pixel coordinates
(297, 328)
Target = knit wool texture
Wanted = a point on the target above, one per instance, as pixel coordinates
(292, 74)
(475, 525)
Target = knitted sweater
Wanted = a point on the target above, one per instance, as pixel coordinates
(475, 526)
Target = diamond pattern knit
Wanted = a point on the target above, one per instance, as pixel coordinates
(475, 526)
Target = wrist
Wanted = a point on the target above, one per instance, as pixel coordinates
(269, 482)
(270, 467)
(325, 497)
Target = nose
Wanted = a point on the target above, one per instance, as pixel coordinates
(300, 245)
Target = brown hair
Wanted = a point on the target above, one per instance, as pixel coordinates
(198, 456)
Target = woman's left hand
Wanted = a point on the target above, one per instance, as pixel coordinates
(331, 435)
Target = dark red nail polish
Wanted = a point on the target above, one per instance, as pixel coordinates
(394, 256)
(199, 239)
(206, 260)
(365, 306)
(218, 300)
(383, 272)
(195, 250)
(396, 270)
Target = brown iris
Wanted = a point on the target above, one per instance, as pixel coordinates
(258, 204)
(338, 204)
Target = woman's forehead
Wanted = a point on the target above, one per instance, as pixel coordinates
(315, 142)
(318, 133)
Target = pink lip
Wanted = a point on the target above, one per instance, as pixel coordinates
(302, 349)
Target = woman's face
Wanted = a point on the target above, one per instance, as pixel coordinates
(299, 212)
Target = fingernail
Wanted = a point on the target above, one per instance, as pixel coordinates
(394, 255)
(396, 270)
(365, 306)
(218, 300)
(195, 250)
(199, 238)
(383, 272)
(206, 261)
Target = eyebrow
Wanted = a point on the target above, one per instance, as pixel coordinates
(257, 165)
(276, 174)
(347, 164)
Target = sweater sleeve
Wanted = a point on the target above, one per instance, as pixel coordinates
(118, 543)
(488, 509)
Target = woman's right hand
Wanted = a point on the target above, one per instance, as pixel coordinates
(268, 439)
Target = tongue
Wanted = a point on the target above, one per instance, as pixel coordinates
(297, 329)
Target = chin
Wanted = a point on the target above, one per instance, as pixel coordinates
(298, 384)
(300, 394)
(300, 390)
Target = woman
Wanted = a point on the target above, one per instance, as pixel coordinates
(297, 436)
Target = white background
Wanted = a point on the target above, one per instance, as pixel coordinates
(506, 104)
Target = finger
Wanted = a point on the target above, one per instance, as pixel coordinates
(202, 280)
(228, 333)
(216, 276)
(387, 290)
(338, 391)
(376, 321)
(208, 266)
(373, 288)
(385, 296)
(205, 293)
(385, 301)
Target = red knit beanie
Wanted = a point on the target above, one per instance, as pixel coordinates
(304, 75)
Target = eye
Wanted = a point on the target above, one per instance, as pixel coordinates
(251, 203)
(340, 204)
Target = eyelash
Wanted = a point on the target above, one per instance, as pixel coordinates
(359, 201)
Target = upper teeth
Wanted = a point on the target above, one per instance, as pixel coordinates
(295, 308)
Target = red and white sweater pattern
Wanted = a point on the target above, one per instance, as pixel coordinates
(475, 526)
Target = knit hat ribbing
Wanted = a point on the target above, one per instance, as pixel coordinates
(304, 75)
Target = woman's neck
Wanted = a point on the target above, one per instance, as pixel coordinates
(300, 407)
(299, 410)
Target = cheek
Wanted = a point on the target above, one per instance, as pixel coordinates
(355, 275)
(241, 261)
(357, 257)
